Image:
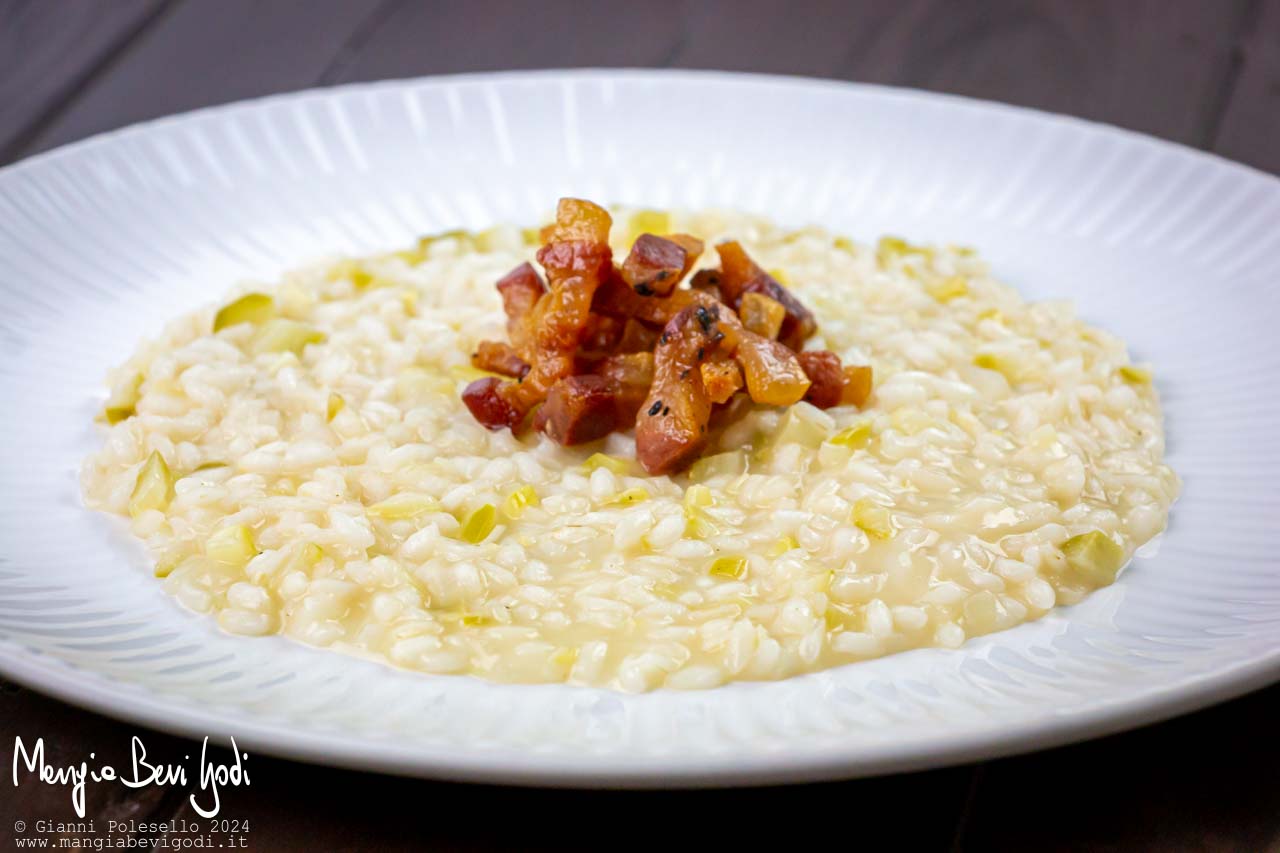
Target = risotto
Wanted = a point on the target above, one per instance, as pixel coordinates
(318, 475)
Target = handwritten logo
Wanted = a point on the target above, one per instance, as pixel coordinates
(142, 773)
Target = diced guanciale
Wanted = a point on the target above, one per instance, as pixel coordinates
(637, 337)
(823, 369)
(797, 323)
(656, 265)
(761, 314)
(722, 379)
(671, 428)
(739, 274)
(629, 376)
(488, 407)
(615, 298)
(773, 373)
(578, 409)
(857, 385)
(577, 258)
(600, 347)
(707, 281)
(736, 269)
(601, 336)
(520, 290)
(834, 384)
(497, 357)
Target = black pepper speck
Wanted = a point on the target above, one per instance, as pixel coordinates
(704, 319)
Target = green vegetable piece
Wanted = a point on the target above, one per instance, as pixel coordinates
(281, 335)
(336, 404)
(728, 567)
(123, 400)
(479, 524)
(1005, 365)
(856, 436)
(1094, 556)
(1135, 375)
(631, 496)
(946, 289)
(256, 308)
(872, 518)
(154, 486)
(613, 463)
(231, 546)
(516, 503)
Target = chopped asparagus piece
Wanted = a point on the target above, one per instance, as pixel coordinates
(154, 487)
(255, 308)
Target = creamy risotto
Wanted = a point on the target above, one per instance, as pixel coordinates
(318, 475)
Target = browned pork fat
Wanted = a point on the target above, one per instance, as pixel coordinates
(707, 281)
(615, 298)
(497, 357)
(488, 407)
(577, 258)
(656, 265)
(736, 269)
(772, 370)
(601, 336)
(722, 379)
(833, 383)
(739, 274)
(857, 385)
(520, 290)
(629, 376)
(588, 358)
(637, 337)
(671, 428)
(761, 314)
(578, 409)
(823, 369)
(798, 323)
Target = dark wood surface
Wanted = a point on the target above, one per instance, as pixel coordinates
(1205, 73)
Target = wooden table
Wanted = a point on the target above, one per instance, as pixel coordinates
(1206, 74)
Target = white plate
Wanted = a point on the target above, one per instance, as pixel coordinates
(1177, 251)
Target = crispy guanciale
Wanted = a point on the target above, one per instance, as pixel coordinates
(722, 379)
(629, 376)
(520, 290)
(656, 265)
(601, 347)
(615, 298)
(833, 383)
(578, 409)
(487, 405)
(576, 257)
(761, 314)
(500, 358)
(671, 428)
(741, 275)
(823, 369)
